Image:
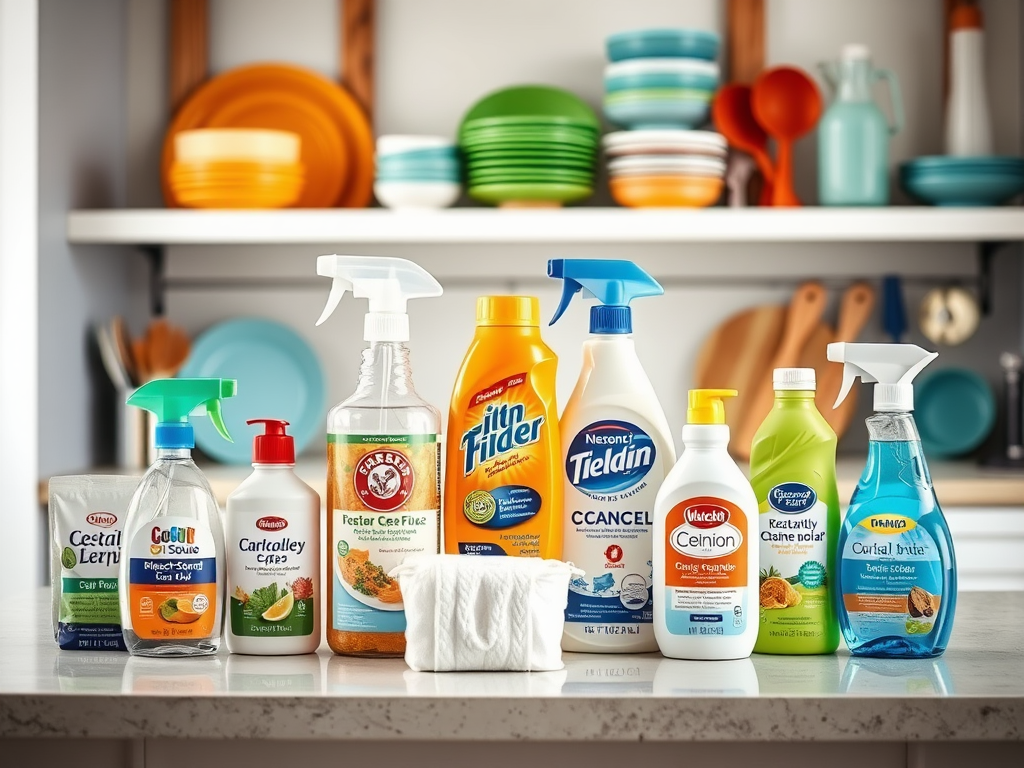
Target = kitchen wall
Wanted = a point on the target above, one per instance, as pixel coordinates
(435, 58)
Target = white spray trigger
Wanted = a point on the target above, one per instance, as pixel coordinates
(892, 367)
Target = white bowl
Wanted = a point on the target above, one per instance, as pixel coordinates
(658, 66)
(260, 145)
(684, 164)
(412, 195)
(396, 144)
(665, 141)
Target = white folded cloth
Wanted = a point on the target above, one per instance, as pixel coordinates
(483, 613)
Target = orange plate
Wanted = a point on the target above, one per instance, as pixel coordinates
(295, 99)
(666, 191)
(285, 169)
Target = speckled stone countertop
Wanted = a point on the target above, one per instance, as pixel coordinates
(974, 692)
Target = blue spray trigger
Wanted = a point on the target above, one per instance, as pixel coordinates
(613, 282)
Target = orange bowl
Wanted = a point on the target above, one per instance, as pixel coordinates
(216, 169)
(216, 198)
(666, 191)
(236, 184)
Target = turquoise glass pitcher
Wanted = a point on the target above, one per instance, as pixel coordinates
(853, 136)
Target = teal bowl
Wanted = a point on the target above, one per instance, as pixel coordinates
(656, 113)
(689, 80)
(962, 186)
(663, 43)
(396, 164)
(955, 411)
(429, 153)
(419, 175)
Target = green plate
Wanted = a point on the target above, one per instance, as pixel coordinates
(531, 177)
(541, 165)
(526, 122)
(546, 154)
(538, 137)
(505, 193)
(533, 100)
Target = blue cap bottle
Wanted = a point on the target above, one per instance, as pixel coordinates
(613, 282)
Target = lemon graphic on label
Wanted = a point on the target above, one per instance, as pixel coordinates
(281, 609)
(479, 507)
(67, 558)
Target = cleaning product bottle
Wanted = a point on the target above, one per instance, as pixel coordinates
(171, 585)
(896, 577)
(273, 552)
(616, 450)
(503, 488)
(383, 461)
(793, 473)
(705, 535)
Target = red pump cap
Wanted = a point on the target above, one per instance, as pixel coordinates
(274, 446)
(965, 17)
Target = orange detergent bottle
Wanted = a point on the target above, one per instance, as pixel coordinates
(503, 489)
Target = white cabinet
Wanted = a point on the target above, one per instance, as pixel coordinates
(989, 543)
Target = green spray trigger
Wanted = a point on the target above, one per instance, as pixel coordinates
(216, 414)
(174, 400)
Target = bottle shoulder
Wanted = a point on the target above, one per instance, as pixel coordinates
(707, 473)
(273, 485)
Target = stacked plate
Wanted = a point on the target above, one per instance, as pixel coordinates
(964, 181)
(661, 78)
(530, 146)
(666, 168)
(236, 168)
(417, 172)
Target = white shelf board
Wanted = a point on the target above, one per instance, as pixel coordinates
(571, 225)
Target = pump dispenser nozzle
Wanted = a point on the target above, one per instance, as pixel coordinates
(275, 445)
(613, 282)
(173, 400)
(386, 281)
(892, 367)
(707, 406)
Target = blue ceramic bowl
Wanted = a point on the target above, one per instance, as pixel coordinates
(641, 113)
(663, 43)
(419, 175)
(397, 164)
(431, 153)
(955, 411)
(964, 188)
(690, 80)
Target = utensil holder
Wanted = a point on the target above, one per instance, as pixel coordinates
(136, 430)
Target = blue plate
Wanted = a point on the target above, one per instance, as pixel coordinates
(663, 43)
(955, 411)
(640, 114)
(279, 377)
(695, 80)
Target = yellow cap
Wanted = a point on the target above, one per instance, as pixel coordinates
(706, 406)
(508, 310)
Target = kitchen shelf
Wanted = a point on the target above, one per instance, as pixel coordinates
(159, 227)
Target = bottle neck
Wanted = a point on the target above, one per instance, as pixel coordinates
(385, 370)
(794, 399)
(173, 454)
(272, 467)
(895, 455)
(524, 331)
(854, 80)
(892, 427)
(705, 437)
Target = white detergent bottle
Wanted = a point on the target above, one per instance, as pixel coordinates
(616, 450)
(706, 544)
(273, 553)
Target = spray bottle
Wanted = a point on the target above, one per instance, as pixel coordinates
(616, 450)
(896, 580)
(705, 543)
(383, 462)
(171, 582)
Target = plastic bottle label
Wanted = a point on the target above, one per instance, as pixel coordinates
(384, 492)
(705, 568)
(612, 474)
(793, 584)
(501, 449)
(892, 577)
(273, 562)
(172, 576)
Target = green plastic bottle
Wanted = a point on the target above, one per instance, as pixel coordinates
(793, 473)
(172, 574)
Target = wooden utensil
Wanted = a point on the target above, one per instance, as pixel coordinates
(787, 104)
(123, 343)
(737, 352)
(802, 317)
(141, 356)
(167, 349)
(855, 310)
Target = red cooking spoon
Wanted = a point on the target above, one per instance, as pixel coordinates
(787, 104)
(734, 119)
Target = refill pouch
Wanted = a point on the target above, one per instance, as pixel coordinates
(471, 613)
(87, 513)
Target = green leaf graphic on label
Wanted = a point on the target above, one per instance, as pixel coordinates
(342, 548)
(67, 558)
(261, 599)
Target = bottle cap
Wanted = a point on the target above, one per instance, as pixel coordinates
(706, 406)
(175, 400)
(274, 446)
(613, 282)
(891, 367)
(508, 310)
(801, 379)
(965, 17)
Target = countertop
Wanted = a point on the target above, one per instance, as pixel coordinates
(957, 484)
(974, 692)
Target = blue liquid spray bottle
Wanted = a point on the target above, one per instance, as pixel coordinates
(896, 580)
